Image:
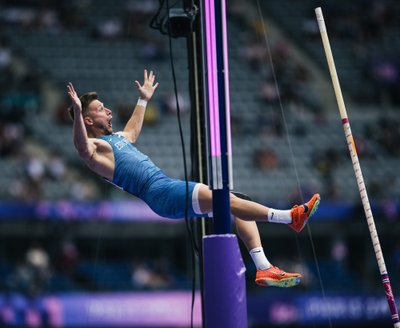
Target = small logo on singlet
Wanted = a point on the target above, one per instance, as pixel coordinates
(121, 144)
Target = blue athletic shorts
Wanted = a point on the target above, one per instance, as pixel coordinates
(167, 198)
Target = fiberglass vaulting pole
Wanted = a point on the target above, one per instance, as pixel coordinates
(357, 170)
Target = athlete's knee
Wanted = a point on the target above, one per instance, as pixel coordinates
(234, 201)
(241, 195)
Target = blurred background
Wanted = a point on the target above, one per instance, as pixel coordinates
(75, 251)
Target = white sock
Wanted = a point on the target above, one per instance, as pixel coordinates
(259, 258)
(279, 216)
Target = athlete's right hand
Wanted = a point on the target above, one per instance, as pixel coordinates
(76, 102)
(147, 89)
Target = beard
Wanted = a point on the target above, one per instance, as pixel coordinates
(106, 128)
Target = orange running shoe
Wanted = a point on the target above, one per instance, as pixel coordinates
(301, 213)
(273, 276)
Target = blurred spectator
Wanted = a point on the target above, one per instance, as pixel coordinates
(255, 54)
(269, 93)
(11, 139)
(156, 276)
(109, 29)
(35, 169)
(152, 50)
(48, 20)
(31, 187)
(5, 56)
(68, 257)
(265, 159)
(56, 168)
(137, 16)
(32, 275)
(22, 16)
(38, 263)
(339, 251)
(390, 208)
(151, 116)
(325, 161)
(141, 275)
(81, 190)
(169, 103)
(339, 261)
(363, 148)
(385, 76)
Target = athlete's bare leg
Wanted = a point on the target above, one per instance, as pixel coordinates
(247, 210)
(241, 208)
(248, 233)
(246, 213)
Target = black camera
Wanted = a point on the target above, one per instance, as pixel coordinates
(179, 22)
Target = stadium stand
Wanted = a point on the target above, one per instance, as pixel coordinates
(280, 154)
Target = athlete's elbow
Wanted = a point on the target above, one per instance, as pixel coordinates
(132, 137)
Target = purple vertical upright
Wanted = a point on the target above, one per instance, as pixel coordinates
(225, 303)
(217, 86)
(224, 282)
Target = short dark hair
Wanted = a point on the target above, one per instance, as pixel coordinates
(86, 99)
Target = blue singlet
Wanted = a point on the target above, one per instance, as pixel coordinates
(135, 173)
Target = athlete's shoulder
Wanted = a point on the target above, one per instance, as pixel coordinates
(124, 135)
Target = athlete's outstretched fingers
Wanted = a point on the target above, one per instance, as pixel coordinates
(71, 89)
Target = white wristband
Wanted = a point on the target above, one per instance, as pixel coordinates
(142, 102)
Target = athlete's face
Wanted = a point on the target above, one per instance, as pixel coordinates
(99, 118)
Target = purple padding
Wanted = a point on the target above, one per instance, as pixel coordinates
(224, 282)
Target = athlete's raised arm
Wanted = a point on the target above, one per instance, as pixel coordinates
(135, 123)
(82, 143)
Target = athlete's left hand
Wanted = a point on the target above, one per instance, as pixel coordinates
(76, 102)
(147, 89)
